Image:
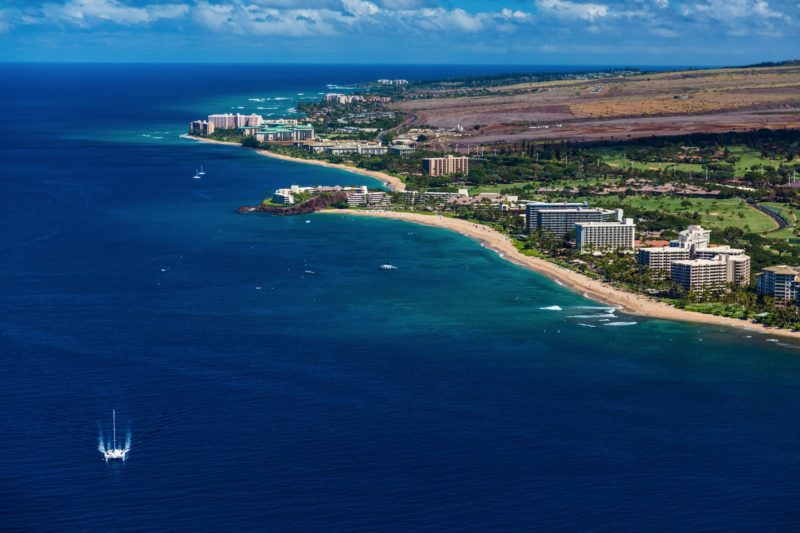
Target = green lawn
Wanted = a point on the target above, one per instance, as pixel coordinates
(719, 213)
(619, 161)
(564, 183)
(748, 158)
(791, 214)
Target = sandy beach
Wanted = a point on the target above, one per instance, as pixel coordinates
(635, 304)
(392, 182)
(596, 290)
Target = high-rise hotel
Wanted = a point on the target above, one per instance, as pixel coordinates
(443, 166)
(559, 219)
(605, 236)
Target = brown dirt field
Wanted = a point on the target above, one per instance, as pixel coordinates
(621, 129)
(635, 106)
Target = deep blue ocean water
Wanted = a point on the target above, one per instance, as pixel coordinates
(440, 396)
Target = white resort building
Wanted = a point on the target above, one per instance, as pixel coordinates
(661, 258)
(700, 275)
(560, 219)
(605, 236)
(692, 238)
(779, 282)
(696, 266)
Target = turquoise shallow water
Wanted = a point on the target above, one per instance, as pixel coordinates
(448, 394)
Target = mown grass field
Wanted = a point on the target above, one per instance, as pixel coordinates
(749, 159)
(617, 160)
(563, 183)
(716, 213)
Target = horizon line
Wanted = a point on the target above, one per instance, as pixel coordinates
(300, 63)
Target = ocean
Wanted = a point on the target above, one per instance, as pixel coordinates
(273, 378)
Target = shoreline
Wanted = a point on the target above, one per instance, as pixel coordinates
(631, 303)
(392, 182)
(628, 302)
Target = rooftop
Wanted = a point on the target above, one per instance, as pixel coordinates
(578, 210)
(698, 262)
(665, 249)
(722, 249)
(782, 269)
(611, 223)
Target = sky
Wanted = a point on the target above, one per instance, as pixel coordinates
(525, 32)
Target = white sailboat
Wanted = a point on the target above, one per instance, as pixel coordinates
(112, 452)
(388, 265)
(197, 175)
(202, 172)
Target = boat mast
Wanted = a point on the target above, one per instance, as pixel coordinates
(114, 416)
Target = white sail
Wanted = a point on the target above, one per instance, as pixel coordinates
(110, 450)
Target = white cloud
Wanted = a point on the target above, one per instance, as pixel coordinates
(86, 12)
(445, 20)
(731, 10)
(402, 4)
(360, 8)
(439, 18)
(573, 10)
(662, 3)
(252, 19)
(509, 14)
(762, 9)
(261, 19)
(214, 16)
(739, 18)
(463, 20)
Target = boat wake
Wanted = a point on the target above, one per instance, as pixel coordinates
(108, 446)
(104, 446)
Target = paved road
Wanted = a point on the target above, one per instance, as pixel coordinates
(782, 222)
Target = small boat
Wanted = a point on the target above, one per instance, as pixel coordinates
(202, 172)
(197, 175)
(112, 452)
(388, 264)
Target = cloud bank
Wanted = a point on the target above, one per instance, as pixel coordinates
(518, 27)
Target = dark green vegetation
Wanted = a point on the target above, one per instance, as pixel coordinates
(226, 136)
(304, 203)
(364, 120)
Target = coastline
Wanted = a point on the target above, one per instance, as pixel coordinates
(392, 182)
(631, 303)
(628, 302)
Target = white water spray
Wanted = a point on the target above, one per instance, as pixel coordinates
(101, 445)
(109, 448)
